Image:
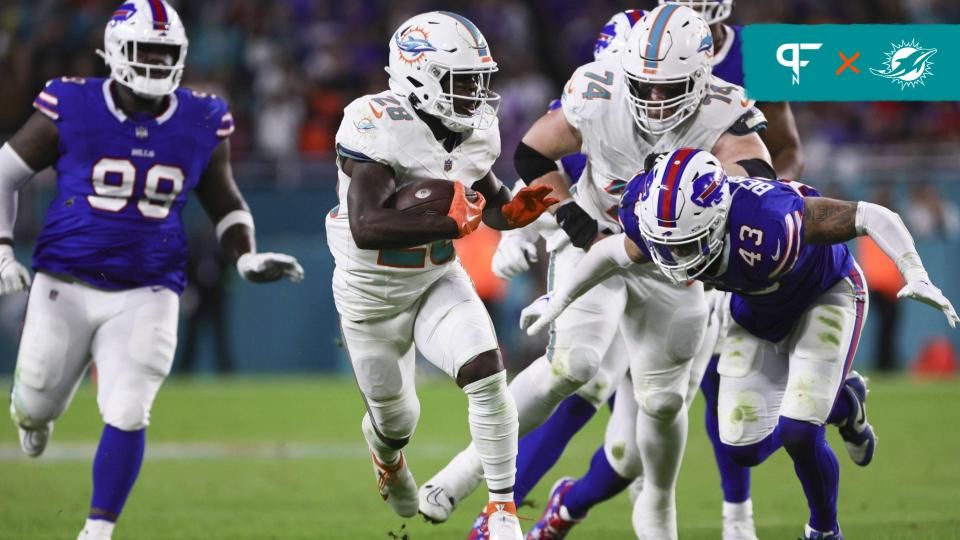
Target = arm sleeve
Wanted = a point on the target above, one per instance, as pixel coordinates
(14, 173)
(887, 229)
(604, 258)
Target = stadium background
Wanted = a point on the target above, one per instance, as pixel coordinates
(287, 68)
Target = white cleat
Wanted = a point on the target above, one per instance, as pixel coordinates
(441, 494)
(96, 529)
(738, 521)
(397, 486)
(502, 522)
(32, 441)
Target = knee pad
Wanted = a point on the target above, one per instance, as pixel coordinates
(624, 457)
(569, 370)
(30, 409)
(393, 420)
(662, 405)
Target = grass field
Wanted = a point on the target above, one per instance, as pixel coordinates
(284, 459)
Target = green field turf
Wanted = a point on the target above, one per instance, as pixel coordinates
(284, 459)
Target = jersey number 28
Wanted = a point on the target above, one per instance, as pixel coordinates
(114, 179)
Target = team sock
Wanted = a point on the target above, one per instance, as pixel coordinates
(599, 484)
(817, 468)
(115, 469)
(541, 448)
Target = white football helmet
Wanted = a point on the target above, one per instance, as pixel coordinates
(613, 35)
(430, 55)
(667, 62)
(712, 11)
(682, 212)
(145, 46)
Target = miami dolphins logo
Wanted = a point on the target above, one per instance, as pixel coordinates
(907, 64)
(413, 44)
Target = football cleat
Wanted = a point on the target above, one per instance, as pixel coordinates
(397, 486)
(738, 521)
(811, 534)
(502, 522)
(555, 522)
(440, 495)
(32, 441)
(96, 529)
(857, 433)
(479, 531)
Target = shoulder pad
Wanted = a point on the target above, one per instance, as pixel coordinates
(52, 100)
(591, 88)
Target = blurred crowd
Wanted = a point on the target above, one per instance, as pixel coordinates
(288, 67)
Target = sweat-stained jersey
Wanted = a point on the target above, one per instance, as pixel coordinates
(122, 183)
(384, 128)
(773, 275)
(595, 104)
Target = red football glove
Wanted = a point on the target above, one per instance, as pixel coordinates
(467, 214)
(527, 205)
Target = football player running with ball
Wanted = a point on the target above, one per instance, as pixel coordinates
(397, 284)
(798, 304)
(655, 95)
(111, 257)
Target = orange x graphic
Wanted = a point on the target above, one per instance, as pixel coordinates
(848, 63)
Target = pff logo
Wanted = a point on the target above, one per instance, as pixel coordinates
(907, 64)
(794, 62)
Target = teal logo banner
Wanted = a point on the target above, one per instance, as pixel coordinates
(852, 62)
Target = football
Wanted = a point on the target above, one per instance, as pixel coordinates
(426, 197)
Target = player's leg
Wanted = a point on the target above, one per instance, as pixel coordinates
(53, 355)
(382, 355)
(541, 448)
(737, 510)
(578, 340)
(133, 347)
(663, 328)
(454, 332)
(822, 346)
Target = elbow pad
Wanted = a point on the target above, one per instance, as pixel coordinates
(758, 168)
(531, 164)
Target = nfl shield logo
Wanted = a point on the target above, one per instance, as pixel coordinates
(447, 165)
(141, 132)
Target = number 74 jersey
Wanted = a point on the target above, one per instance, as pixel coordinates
(122, 182)
(595, 102)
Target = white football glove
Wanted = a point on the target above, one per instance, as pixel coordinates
(539, 314)
(267, 267)
(922, 290)
(516, 250)
(14, 277)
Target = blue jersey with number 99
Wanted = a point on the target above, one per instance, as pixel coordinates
(122, 182)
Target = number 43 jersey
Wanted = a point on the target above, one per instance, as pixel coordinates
(384, 128)
(122, 182)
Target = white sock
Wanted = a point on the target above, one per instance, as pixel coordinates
(493, 426)
(738, 511)
(385, 454)
(98, 528)
(661, 445)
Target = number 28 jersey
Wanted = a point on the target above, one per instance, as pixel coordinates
(773, 274)
(122, 182)
(384, 128)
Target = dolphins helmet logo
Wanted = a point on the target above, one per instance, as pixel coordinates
(907, 64)
(413, 44)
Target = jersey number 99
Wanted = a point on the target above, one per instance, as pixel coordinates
(114, 179)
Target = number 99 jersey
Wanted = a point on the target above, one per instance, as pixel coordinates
(384, 128)
(122, 182)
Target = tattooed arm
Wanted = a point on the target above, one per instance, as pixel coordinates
(828, 221)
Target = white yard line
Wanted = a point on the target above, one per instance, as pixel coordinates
(202, 451)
